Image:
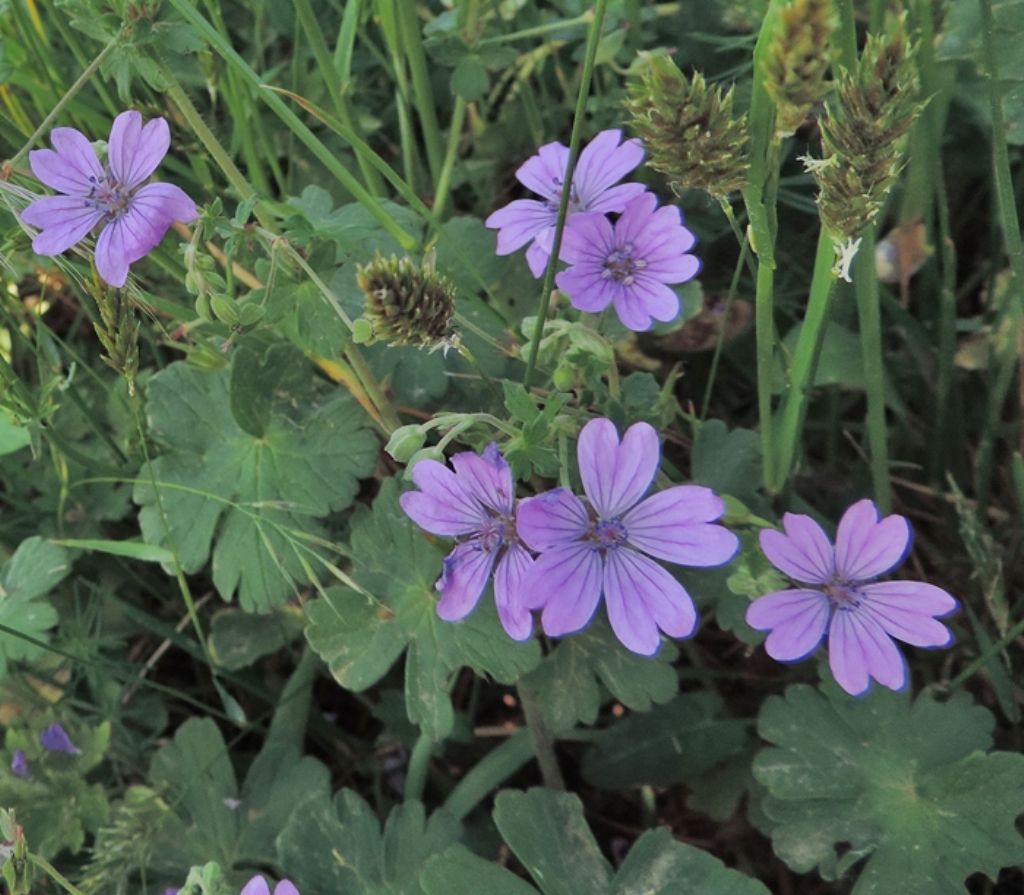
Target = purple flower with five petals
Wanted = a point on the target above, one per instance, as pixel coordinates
(19, 764)
(259, 886)
(476, 502)
(55, 739)
(600, 547)
(134, 217)
(601, 165)
(629, 264)
(860, 615)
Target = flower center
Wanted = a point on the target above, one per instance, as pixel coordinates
(496, 532)
(575, 204)
(621, 266)
(108, 196)
(606, 534)
(842, 596)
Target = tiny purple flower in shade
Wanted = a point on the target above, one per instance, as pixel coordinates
(19, 764)
(629, 264)
(476, 502)
(587, 550)
(860, 615)
(258, 886)
(55, 739)
(134, 217)
(603, 163)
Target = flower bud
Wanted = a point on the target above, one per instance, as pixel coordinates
(405, 442)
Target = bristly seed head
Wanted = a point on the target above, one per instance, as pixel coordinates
(407, 303)
(688, 129)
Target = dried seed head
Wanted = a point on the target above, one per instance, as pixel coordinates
(798, 61)
(407, 303)
(874, 107)
(688, 129)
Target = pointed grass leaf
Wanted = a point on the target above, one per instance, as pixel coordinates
(909, 786)
(35, 568)
(361, 634)
(253, 500)
(672, 743)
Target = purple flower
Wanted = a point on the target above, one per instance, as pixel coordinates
(55, 739)
(476, 503)
(258, 886)
(19, 764)
(134, 217)
(595, 549)
(860, 615)
(601, 165)
(628, 264)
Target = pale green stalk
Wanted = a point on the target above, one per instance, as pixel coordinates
(593, 39)
(422, 90)
(445, 178)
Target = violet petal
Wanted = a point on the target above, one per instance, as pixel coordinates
(867, 547)
(616, 475)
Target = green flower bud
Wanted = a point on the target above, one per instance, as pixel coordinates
(405, 442)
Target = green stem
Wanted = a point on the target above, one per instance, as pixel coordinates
(490, 772)
(805, 362)
(865, 285)
(335, 89)
(1010, 226)
(54, 874)
(422, 91)
(593, 39)
(295, 125)
(543, 745)
(416, 773)
(538, 30)
(220, 155)
(58, 107)
(445, 178)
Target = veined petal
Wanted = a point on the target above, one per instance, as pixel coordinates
(466, 570)
(72, 169)
(441, 506)
(487, 477)
(604, 161)
(641, 598)
(134, 151)
(867, 547)
(519, 222)
(537, 256)
(677, 269)
(615, 476)
(643, 300)
(165, 200)
(509, 592)
(674, 525)
(893, 605)
(566, 582)
(616, 198)
(285, 887)
(796, 620)
(859, 649)
(803, 552)
(587, 238)
(112, 253)
(544, 171)
(63, 220)
(586, 289)
(555, 518)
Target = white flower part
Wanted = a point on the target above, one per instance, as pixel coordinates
(845, 253)
(811, 164)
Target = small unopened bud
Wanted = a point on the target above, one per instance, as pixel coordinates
(405, 442)
(797, 61)
(689, 129)
(406, 303)
(427, 453)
